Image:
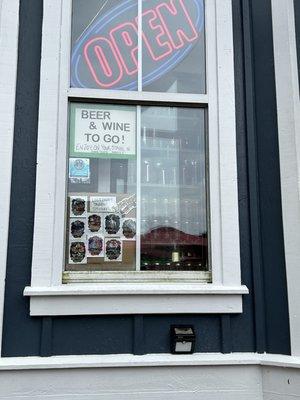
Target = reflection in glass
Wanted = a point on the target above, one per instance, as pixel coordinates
(173, 189)
(104, 193)
(173, 54)
(104, 53)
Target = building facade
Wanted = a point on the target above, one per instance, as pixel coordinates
(150, 180)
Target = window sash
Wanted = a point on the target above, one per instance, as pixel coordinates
(139, 98)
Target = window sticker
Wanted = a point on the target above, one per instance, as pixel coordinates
(78, 206)
(79, 170)
(77, 252)
(94, 222)
(113, 249)
(95, 246)
(112, 224)
(77, 227)
(128, 228)
(103, 203)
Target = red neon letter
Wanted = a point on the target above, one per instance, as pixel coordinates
(125, 39)
(177, 23)
(103, 62)
(154, 36)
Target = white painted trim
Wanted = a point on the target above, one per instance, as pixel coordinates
(9, 28)
(42, 256)
(136, 276)
(138, 97)
(229, 208)
(134, 289)
(47, 264)
(288, 112)
(116, 304)
(148, 360)
(151, 377)
(135, 298)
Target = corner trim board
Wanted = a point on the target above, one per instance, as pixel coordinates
(288, 115)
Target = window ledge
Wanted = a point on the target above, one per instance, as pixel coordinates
(135, 298)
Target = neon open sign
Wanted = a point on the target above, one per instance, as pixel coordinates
(106, 55)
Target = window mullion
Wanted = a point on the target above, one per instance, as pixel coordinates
(200, 100)
(140, 47)
(138, 188)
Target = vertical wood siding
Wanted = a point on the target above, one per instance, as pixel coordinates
(263, 326)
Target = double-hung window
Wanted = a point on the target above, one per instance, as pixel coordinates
(136, 199)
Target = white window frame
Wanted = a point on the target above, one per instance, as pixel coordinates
(48, 295)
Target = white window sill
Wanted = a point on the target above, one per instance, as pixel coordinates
(135, 298)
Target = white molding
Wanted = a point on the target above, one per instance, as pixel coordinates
(9, 27)
(117, 304)
(156, 377)
(288, 114)
(47, 264)
(42, 256)
(148, 360)
(229, 208)
(135, 298)
(138, 97)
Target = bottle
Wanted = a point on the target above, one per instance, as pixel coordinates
(175, 255)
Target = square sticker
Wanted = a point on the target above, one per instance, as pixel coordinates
(113, 249)
(78, 206)
(77, 228)
(77, 252)
(111, 224)
(95, 245)
(128, 228)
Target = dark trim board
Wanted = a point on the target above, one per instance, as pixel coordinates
(263, 326)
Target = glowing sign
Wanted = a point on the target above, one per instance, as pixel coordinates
(106, 54)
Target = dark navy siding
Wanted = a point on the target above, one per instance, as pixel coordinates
(263, 326)
(297, 21)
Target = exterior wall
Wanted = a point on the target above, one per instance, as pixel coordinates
(264, 325)
(280, 383)
(169, 383)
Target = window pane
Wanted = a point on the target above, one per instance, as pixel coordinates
(173, 189)
(101, 224)
(104, 44)
(102, 229)
(173, 46)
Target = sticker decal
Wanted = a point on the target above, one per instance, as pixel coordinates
(129, 228)
(113, 249)
(77, 253)
(77, 227)
(78, 205)
(95, 246)
(112, 224)
(94, 222)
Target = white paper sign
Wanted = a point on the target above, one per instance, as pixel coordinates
(103, 203)
(101, 131)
